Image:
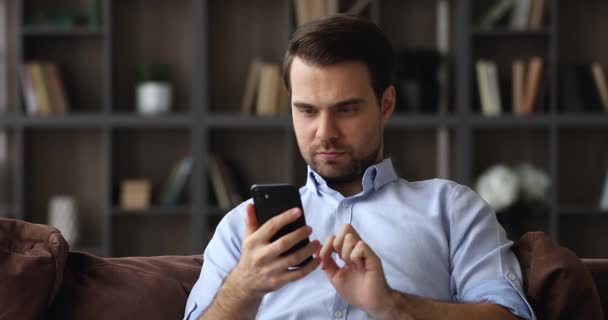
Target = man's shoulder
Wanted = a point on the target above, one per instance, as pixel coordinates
(439, 186)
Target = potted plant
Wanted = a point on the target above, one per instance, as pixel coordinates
(153, 89)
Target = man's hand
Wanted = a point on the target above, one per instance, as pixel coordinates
(261, 269)
(361, 280)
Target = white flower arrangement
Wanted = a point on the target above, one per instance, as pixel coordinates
(502, 187)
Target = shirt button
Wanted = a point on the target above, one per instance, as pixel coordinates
(345, 205)
(338, 314)
(511, 277)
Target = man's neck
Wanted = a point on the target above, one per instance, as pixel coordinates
(349, 188)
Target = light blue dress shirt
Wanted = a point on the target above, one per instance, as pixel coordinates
(436, 239)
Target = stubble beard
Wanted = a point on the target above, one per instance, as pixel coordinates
(351, 171)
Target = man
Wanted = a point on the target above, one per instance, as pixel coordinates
(392, 249)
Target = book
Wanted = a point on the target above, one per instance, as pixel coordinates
(495, 13)
(175, 182)
(251, 86)
(537, 13)
(358, 7)
(599, 78)
(520, 16)
(224, 183)
(533, 85)
(268, 89)
(40, 88)
(517, 87)
(4, 187)
(489, 91)
(332, 7)
(317, 9)
(59, 102)
(218, 184)
(483, 87)
(4, 89)
(303, 11)
(604, 195)
(495, 96)
(27, 89)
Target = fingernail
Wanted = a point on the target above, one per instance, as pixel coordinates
(295, 211)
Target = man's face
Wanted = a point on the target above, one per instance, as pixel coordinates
(337, 118)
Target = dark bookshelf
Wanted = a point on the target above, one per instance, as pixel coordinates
(203, 41)
(44, 31)
(506, 32)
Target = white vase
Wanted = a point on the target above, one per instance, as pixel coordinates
(153, 98)
(63, 215)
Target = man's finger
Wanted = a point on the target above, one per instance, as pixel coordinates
(339, 240)
(327, 248)
(287, 241)
(349, 244)
(362, 255)
(272, 226)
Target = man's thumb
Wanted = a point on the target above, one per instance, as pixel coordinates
(252, 220)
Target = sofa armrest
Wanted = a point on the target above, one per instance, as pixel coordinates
(599, 272)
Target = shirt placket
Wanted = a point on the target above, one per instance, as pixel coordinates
(343, 216)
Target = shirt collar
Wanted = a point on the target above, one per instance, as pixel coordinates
(374, 177)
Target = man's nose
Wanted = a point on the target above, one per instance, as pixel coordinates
(327, 129)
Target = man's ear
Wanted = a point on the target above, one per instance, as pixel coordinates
(388, 102)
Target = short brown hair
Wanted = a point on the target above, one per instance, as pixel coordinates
(342, 38)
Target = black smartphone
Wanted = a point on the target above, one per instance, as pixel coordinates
(273, 199)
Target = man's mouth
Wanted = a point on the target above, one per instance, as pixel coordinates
(330, 155)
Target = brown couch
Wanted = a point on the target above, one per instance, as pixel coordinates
(41, 279)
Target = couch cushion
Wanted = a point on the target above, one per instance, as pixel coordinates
(125, 288)
(32, 259)
(557, 283)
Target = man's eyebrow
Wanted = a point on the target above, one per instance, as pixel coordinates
(346, 102)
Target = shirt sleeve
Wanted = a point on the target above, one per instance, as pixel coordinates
(484, 268)
(220, 256)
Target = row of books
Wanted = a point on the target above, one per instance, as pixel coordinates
(176, 181)
(224, 183)
(43, 89)
(526, 84)
(516, 14)
(265, 94)
(307, 10)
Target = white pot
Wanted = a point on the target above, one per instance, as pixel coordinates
(153, 98)
(63, 215)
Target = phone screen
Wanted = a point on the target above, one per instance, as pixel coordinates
(273, 199)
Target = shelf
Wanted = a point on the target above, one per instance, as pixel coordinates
(506, 32)
(526, 121)
(583, 211)
(8, 120)
(88, 120)
(237, 121)
(583, 120)
(63, 31)
(152, 211)
(405, 120)
(165, 121)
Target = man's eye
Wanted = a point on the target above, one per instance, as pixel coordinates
(347, 109)
(307, 110)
